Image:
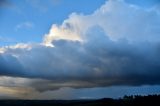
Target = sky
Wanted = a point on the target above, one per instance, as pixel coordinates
(79, 49)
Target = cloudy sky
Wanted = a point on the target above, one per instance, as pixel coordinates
(77, 49)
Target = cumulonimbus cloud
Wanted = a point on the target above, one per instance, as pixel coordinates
(116, 45)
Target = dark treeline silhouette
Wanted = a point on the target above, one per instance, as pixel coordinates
(137, 100)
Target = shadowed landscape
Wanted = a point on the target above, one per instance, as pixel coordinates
(150, 100)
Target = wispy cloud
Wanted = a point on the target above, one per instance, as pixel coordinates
(6, 39)
(43, 6)
(37, 4)
(24, 25)
(56, 2)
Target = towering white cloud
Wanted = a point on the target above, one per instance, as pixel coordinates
(118, 19)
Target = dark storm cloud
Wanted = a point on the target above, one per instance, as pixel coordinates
(98, 62)
(9, 65)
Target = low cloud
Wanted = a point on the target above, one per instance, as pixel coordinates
(116, 45)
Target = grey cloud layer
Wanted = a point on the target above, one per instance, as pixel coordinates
(114, 51)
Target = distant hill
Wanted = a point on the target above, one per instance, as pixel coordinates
(150, 100)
